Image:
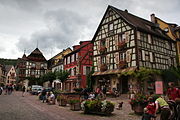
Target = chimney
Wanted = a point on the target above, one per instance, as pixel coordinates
(153, 18)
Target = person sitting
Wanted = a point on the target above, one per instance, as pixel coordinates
(91, 96)
(51, 99)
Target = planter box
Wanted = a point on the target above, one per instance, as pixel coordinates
(75, 107)
(62, 102)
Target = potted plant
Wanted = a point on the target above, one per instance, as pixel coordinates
(78, 90)
(121, 44)
(61, 100)
(97, 107)
(75, 104)
(138, 103)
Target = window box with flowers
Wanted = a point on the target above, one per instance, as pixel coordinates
(97, 107)
(121, 44)
(138, 103)
(61, 100)
(102, 49)
(103, 67)
(122, 64)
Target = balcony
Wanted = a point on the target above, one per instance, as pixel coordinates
(103, 67)
(103, 49)
(122, 64)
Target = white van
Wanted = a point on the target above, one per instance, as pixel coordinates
(36, 89)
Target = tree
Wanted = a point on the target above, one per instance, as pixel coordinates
(34, 81)
(171, 75)
(62, 75)
(50, 76)
(90, 81)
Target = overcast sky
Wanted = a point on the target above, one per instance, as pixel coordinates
(58, 24)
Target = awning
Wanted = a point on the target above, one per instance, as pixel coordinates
(116, 71)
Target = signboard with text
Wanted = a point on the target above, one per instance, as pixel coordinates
(159, 87)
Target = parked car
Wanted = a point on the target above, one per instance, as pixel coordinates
(36, 89)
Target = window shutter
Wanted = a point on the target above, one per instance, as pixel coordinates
(116, 40)
(151, 57)
(127, 37)
(107, 42)
(99, 62)
(128, 55)
(149, 38)
(107, 58)
(99, 45)
(143, 55)
(138, 35)
(84, 70)
(117, 58)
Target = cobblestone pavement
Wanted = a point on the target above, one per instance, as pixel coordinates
(16, 107)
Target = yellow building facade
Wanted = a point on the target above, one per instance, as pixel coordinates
(172, 30)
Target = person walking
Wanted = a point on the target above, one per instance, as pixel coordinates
(1, 90)
(43, 94)
(23, 90)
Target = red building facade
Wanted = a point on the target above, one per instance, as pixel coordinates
(79, 64)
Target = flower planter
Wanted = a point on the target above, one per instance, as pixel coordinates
(103, 49)
(75, 106)
(138, 108)
(103, 67)
(97, 107)
(122, 44)
(62, 102)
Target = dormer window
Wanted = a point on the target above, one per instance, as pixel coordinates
(166, 30)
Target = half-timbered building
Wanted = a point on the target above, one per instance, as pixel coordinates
(125, 42)
(79, 64)
(33, 65)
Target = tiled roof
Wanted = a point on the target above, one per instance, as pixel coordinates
(36, 55)
(141, 23)
(138, 23)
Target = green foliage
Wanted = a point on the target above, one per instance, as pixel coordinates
(57, 91)
(78, 90)
(141, 74)
(97, 107)
(8, 61)
(34, 81)
(50, 76)
(139, 99)
(90, 81)
(73, 101)
(171, 75)
(62, 75)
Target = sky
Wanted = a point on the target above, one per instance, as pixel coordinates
(54, 25)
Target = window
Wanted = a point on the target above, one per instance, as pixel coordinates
(75, 71)
(103, 42)
(103, 59)
(88, 70)
(72, 58)
(111, 26)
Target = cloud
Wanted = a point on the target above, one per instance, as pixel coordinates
(64, 29)
(58, 24)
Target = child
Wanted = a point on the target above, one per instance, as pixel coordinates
(149, 110)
